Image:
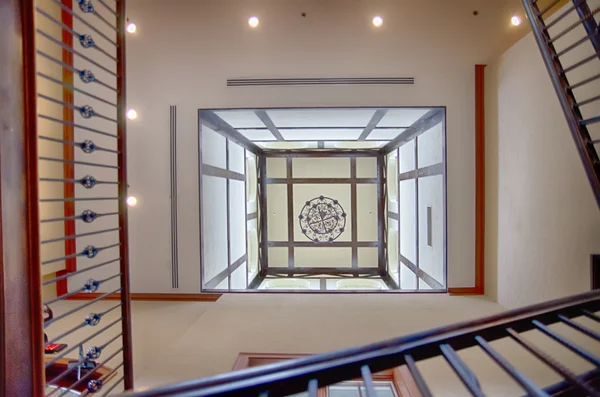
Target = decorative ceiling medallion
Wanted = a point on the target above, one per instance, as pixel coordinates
(322, 219)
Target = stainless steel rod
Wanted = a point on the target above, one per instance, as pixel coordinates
(62, 258)
(75, 107)
(88, 375)
(62, 141)
(75, 162)
(76, 181)
(104, 378)
(75, 89)
(72, 69)
(107, 7)
(74, 236)
(65, 296)
(64, 353)
(74, 51)
(74, 218)
(114, 385)
(86, 23)
(54, 280)
(74, 33)
(68, 200)
(75, 310)
(96, 13)
(77, 126)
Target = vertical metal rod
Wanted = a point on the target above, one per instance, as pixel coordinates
(228, 214)
(464, 373)
(313, 388)
(417, 209)
(525, 382)
(416, 374)
(549, 361)
(368, 379)
(579, 327)
(568, 344)
(122, 172)
(354, 211)
(290, 208)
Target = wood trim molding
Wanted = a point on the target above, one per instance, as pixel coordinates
(201, 297)
(21, 341)
(68, 150)
(479, 288)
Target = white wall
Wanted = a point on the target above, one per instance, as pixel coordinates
(184, 50)
(542, 222)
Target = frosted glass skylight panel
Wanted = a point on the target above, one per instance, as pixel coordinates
(355, 144)
(381, 134)
(241, 118)
(401, 117)
(321, 117)
(258, 135)
(321, 134)
(288, 145)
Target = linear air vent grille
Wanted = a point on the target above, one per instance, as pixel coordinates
(322, 81)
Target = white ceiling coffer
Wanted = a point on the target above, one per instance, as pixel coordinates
(322, 81)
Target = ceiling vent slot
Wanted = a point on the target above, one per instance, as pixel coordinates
(322, 81)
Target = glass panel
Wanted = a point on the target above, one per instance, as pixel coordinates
(343, 391)
(381, 391)
(408, 227)
(407, 157)
(431, 146)
(431, 200)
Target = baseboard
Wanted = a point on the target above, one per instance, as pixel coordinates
(466, 291)
(204, 297)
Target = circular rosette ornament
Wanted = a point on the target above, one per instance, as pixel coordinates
(322, 219)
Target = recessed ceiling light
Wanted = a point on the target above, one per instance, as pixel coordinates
(377, 21)
(131, 114)
(253, 22)
(515, 21)
(131, 201)
(131, 27)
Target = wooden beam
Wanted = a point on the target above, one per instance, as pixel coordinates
(21, 340)
(322, 270)
(264, 117)
(225, 273)
(290, 211)
(321, 153)
(381, 202)
(312, 244)
(480, 178)
(425, 123)
(393, 215)
(479, 288)
(298, 181)
(222, 173)
(201, 297)
(217, 124)
(254, 284)
(354, 212)
(264, 225)
(377, 116)
(434, 169)
(421, 274)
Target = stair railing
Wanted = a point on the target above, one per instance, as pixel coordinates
(558, 38)
(311, 373)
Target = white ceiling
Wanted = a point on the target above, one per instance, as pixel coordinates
(332, 125)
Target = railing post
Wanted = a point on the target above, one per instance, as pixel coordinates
(122, 177)
(21, 340)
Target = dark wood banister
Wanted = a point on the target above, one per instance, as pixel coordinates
(293, 376)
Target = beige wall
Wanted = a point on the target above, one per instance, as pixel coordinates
(185, 50)
(542, 222)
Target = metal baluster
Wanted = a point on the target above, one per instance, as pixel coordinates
(464, 373)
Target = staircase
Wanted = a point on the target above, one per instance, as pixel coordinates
(314, 372)
(569, 42)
